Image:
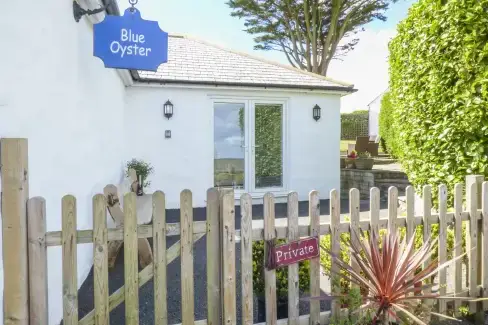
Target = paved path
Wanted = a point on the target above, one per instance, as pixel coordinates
(391, 167)
(146, 305)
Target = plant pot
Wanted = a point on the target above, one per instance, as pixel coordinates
(350, 163)
(140, 189)
(364, 163)
(281, 312)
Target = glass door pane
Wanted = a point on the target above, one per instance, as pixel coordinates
(229, 145)
(268, 146)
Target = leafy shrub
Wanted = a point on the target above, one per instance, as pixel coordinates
(142, 168)
(281, 273)
(386, 129)
(439, 88)
(354, 315)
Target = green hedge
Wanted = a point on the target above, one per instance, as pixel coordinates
(281, 273)
(354, 124)
(439, 88)
(386, 128)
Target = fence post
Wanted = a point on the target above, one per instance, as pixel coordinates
(214, 304)
(478, 180)
(36, 224)
(442, 244)
(458, 237)
(222, 192)
(314, 213)
(246, 260)
(269, 275)
(335, 247)
(354, 232)
(484, 218)
(392, 209)
(70, 258)
(131, 272)
(160, 261)
(472, 241)
(229, 258)
(15, 193)
(100, 260)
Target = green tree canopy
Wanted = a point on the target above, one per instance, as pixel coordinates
(439, 90)
(307, 31)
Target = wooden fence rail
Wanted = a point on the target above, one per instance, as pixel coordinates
(221, 250)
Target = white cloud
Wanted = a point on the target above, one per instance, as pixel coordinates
(234, 140)
(366, 67)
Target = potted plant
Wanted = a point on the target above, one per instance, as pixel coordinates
(143, 170)
(281, 282)
(364, 161)
(351, 159)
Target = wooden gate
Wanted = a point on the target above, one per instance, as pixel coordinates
(26, 242)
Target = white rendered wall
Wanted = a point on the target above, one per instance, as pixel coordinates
(374, 116)
(56, 94)
(186, 160)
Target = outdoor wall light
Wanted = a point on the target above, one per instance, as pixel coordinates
(316, 112)
(168, 109)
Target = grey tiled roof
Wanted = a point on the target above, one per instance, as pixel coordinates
(198, 62)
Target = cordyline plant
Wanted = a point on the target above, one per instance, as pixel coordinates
(391, 273)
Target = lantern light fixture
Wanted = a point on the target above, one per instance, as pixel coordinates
(316, 112)
(168, 109)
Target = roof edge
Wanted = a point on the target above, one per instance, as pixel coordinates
(344, 84)
(378, 96)
(251, 85)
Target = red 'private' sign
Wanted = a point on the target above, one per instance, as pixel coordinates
(295, 252)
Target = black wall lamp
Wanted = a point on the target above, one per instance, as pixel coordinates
(168, 109)
(316, 112)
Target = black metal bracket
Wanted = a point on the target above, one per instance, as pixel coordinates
(79, 12)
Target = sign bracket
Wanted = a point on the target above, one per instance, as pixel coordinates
(79, 12)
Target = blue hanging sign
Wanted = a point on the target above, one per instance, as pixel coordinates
(130, 42)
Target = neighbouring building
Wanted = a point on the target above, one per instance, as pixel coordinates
(237, 120)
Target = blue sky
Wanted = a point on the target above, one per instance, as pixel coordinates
(210, 20)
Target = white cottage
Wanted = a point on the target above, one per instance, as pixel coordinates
(237, 120)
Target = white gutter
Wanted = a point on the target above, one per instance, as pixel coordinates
(124, 75)
(238, 88)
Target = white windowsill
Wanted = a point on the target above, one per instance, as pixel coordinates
(257, 197)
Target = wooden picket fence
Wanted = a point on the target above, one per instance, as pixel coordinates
(24, 225)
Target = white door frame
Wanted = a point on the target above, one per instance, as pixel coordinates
(249, 134)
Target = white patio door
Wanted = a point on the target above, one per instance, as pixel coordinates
(249, 145)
